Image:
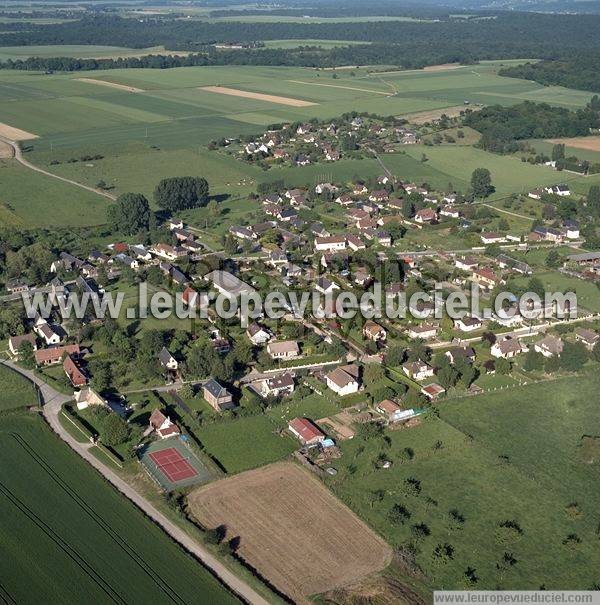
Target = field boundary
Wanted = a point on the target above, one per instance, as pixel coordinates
(377, 92)
(15, 134)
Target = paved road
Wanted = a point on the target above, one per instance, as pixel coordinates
(53, 402)
(19, 158)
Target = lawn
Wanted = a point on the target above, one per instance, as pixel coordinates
(45, 558)
(16, 392)
(508, 456)
(246, 443)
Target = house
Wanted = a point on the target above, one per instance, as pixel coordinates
(384, 238)
(508, 348)
(466, 263)
(488, 237)
(467, 324)
(242, 233)
(485, 277)
(344, 379)
(379, 196)
(217, 395)
(332, 243)
(561, 190)
(167, 361)
(433, 391)
(588, 337)
(456, 353)
(426, 215)
(417, 370)
(506, 262)
(276, 386)
(355, 243)
(549, 346)
(373, 331)
(277, 257)
(132, 263)
(450, 212)
(283, 349)
(536, 194)
(168, 252)
(74, 372)
(572, 229)
(46, 357)
(344, 200)
(86, 397)
(15, 343)
(16, 285)
(391, 410)
(323, 187)
(306, 431)
(162, 425)
(258, 334)
(47, 332)
(423, 331)
(326, 286)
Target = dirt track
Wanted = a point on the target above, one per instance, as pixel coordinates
(292, 529)
(234, 92)
(110, 84)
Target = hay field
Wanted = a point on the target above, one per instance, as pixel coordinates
(587, 143)
(110, 84)
(291, 529)
(15, 134)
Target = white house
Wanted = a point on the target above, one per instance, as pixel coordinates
(343, 380)
(417, 370)
(333, 243)
(468, 324)
(258, 334)
(508, 348)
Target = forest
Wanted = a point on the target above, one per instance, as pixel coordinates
(502, 127)
(580, 72)
(409, 44)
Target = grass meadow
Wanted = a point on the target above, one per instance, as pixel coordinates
(16, 392)
(52, 499)
(511, 456)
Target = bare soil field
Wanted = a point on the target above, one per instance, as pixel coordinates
(589, 143)
(6, 151)
(15, 134)
(110, 84)
(234, 92)
(377, 92)
(291, 529)
(427, 116)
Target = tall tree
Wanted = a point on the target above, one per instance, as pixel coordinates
(181, 192)
(481, 182)
(130, 214)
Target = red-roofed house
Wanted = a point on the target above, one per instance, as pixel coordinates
(306, 431)
(46, 357)
(74, 372)
(162, 425)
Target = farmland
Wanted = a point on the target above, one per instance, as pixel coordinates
(45, 557)
(16, 391)
(292, 529)
(163, 129)
(480, 464)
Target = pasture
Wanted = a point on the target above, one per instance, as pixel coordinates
(456, 480)
(291, 529)
(163, 128)
(16, 391)
(50, 498)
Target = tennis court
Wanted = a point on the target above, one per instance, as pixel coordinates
(172, 464)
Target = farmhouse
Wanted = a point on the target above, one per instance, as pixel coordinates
(217, 396)
(306, 431)
(15, 342)
(46, 357)
(74, 372)
(417, 370)
(162, 425)
(283, 349)
(343, 380)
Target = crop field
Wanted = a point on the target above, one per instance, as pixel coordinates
(77, 51)
(16, 392)
(163, 129)
(291, 529)
(49, 499)
(512, 456)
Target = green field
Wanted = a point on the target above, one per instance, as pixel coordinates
(16, 392)
(68, 537)
(321, 43)
(511, 456)
(163, 130)
(246, 443)
(82, 51)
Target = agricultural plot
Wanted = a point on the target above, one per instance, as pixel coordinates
(16, 392)
(82, 51)
(514, 456)
(291, 529)
(45, 557)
